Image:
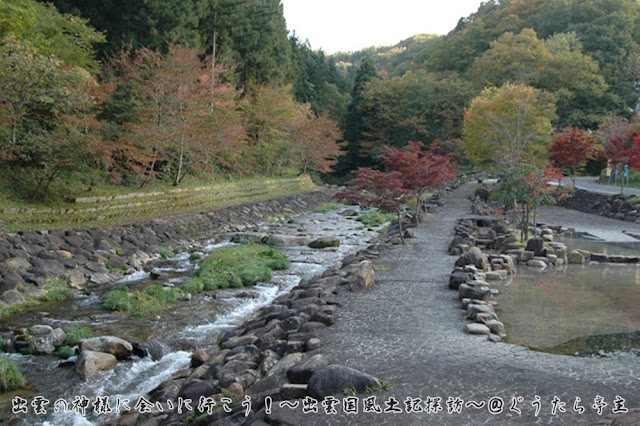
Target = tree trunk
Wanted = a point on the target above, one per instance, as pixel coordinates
(400, 227)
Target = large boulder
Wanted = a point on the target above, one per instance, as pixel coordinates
(536, 245)
(12, 297)
(89, 363)
(115, 346)
(576, 258)
(280, 240)
(363, 276)
(478, 290)
(459, 277)
(475, 257)
(303, 371)
(335, 379)
(248, 237)
(324, 242)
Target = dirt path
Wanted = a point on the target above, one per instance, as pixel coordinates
(409, 331)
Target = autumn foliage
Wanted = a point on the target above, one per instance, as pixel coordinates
(571, 150)
(412, 172)
(420, 170)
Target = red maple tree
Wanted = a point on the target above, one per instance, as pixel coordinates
(571, 150)
(420, 171)
(621, 146)
(373, 188)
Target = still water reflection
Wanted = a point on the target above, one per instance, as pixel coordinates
(562, 309)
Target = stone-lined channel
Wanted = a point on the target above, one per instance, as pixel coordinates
(190, 324)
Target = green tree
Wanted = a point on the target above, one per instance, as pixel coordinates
(49, 33)
(524, 188)
(45, 115)
(271, 114)
(506, 125)
(514, 58)
(353, 120)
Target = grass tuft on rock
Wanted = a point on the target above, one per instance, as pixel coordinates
(57, 291)
(118, 300)
(10, 377)
(239, 266)
(326, 207)
(77, 333)
(376, 218)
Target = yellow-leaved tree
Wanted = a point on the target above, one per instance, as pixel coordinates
(508, 124)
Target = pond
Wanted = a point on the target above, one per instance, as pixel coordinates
(575, 309)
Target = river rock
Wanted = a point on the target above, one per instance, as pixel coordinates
(239, 341)
(474, 290)
(198, 358)
(477, 329)
(12, 297)
(459, 277)
(537, 263)
(115, 346)
(497, 275)
(89, 363)
(335, 379)
(475, 257)
(76, 280)
(576, 258)
(280, 240)
(284, 364)
(18, 263)
(536, 245)
(496, 327)
(324, 242)
(100, 278)
(248, 237)
(302, 372)
(39, 330)
(363, 276)
(599, 257)
(349, 213)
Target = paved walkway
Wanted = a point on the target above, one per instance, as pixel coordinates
(601, 227)
(591, 184)
(408, 331)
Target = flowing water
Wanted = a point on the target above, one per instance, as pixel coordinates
(175, 333)
(575, 309)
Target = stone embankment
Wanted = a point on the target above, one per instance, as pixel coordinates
(275, 354)
(621, 207)
(82, 258)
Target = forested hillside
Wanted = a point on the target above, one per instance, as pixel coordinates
(128, 93)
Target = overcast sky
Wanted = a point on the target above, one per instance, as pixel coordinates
(350, 25)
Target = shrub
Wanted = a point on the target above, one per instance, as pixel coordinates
(10, 377)
(194, 257)
(375, 218)
(118, 300)
(326, 207)
(77, 333)
(164, 294)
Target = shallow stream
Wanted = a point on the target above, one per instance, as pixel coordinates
(174, 334)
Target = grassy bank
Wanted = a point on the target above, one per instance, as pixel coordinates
(101, 208)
